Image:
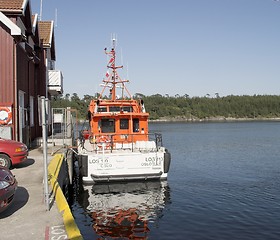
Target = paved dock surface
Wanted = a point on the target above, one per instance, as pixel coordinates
(27, 218)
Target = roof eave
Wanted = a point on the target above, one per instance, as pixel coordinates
(15, 30)
(12, 11)
(51, 32)
(34, 23)
(16, 11)
(24, 5)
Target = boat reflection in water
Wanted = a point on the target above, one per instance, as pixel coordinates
(125, 210)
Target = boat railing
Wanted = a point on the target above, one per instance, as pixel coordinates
(126, 142)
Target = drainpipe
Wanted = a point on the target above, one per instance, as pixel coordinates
(15, 130)
(28, 96)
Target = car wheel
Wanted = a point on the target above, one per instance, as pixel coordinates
(5, 161)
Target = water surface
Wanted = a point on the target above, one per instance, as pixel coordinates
(223, 184)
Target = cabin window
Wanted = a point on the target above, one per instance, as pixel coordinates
(127, 109)
(102, 109)
(124, 123)
(114, 109)
(135, 125)
(108, 125)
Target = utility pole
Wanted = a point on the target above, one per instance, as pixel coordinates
(45, 151)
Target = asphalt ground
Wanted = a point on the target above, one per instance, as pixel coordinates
(28, 218)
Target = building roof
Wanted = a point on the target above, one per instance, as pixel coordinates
(46, 35)
(13, 5)
(46, 32)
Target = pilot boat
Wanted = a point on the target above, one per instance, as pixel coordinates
(118, 145)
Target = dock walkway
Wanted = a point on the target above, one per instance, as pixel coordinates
(28, 218)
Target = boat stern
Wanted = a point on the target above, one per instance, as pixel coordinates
(121, 166)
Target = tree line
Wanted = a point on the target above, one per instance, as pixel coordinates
(185, 107)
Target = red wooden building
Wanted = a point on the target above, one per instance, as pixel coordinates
(27, 61)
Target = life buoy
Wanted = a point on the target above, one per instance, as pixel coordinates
(5, 115)
(85, 134)
(103, 141)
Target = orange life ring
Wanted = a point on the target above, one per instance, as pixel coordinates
(103, 141)
(5, 115)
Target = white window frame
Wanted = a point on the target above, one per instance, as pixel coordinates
(31, 105)
(39, 100)
(21, 108)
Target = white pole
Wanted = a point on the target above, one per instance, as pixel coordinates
(45, 152)
(41, 10)
(55, 18)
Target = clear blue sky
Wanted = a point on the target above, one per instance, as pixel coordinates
(193, 47)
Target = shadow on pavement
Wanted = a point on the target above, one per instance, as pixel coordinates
(26, 163)
(21, 198)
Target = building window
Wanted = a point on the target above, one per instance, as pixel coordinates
(124, 123)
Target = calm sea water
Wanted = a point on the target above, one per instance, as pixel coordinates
(223, 184)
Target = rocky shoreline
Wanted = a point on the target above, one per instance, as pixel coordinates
(211, 119)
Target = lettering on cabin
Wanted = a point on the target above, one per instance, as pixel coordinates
(152, 161)
(101, 162)
(105, 163)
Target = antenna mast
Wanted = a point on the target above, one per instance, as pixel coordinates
(41, 10)
(55, 19)
(113, 78)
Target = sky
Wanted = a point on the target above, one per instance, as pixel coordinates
(193, 47)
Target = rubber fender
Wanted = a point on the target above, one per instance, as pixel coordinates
(89, 115)
(79, 159)
(167, 161)
(84, 165)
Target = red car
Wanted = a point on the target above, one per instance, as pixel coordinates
(12, 152)
(8, 186)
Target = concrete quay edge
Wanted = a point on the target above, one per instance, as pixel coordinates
(71, 227)
(27, 217)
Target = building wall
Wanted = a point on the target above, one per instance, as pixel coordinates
(17, 67)
(6, 64)
(22, 75)
(7, 77)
